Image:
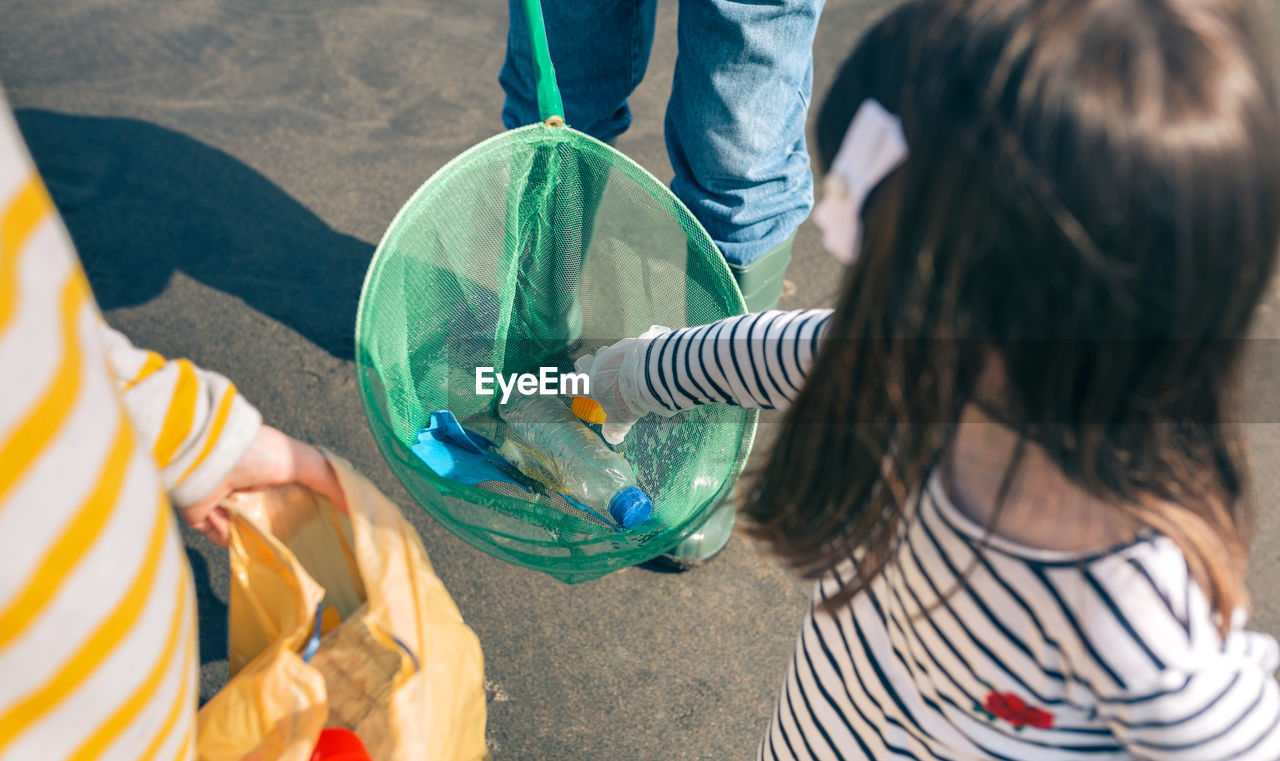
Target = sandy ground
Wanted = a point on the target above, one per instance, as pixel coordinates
(226, 168)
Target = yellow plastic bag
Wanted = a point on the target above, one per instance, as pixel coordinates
(397, 664)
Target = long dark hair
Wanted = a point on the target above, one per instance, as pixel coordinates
(1093, 195)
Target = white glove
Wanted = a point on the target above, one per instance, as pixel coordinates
(617, 380)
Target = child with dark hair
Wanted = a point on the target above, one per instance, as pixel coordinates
(1005, 456)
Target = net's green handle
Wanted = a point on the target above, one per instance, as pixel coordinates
(549, 103)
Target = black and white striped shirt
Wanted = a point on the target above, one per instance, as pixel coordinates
(1036, 655)
(758, 361)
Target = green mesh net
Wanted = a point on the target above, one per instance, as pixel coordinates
(527, 251)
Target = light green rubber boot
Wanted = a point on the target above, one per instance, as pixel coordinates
(761, 286)
(761, 280)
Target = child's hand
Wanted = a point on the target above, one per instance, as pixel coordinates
(272, 459)
(617, 377)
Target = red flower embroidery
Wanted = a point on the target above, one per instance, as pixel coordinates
(1012, 709)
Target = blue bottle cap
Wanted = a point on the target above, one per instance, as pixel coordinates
(630, 507)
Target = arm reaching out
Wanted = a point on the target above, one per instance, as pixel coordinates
(206, 440)
(757, 361)
(193, 421)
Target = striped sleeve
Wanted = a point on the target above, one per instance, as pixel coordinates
(758, 361)
(194, 422)
(1169, 686)
(1225, 706)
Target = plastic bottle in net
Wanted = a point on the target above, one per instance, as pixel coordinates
(548, 443)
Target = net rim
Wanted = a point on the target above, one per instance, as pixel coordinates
(576, 567)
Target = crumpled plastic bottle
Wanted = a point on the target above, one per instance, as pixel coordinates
(548, 443)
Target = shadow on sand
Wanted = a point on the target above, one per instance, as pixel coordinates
(142, 201)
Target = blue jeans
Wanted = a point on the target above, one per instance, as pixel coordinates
(736, 117)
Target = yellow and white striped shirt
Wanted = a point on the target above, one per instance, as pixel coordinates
(97, 610)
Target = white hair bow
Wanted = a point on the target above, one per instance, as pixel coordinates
(873, 147)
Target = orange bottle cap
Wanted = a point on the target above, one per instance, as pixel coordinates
(588, 409)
